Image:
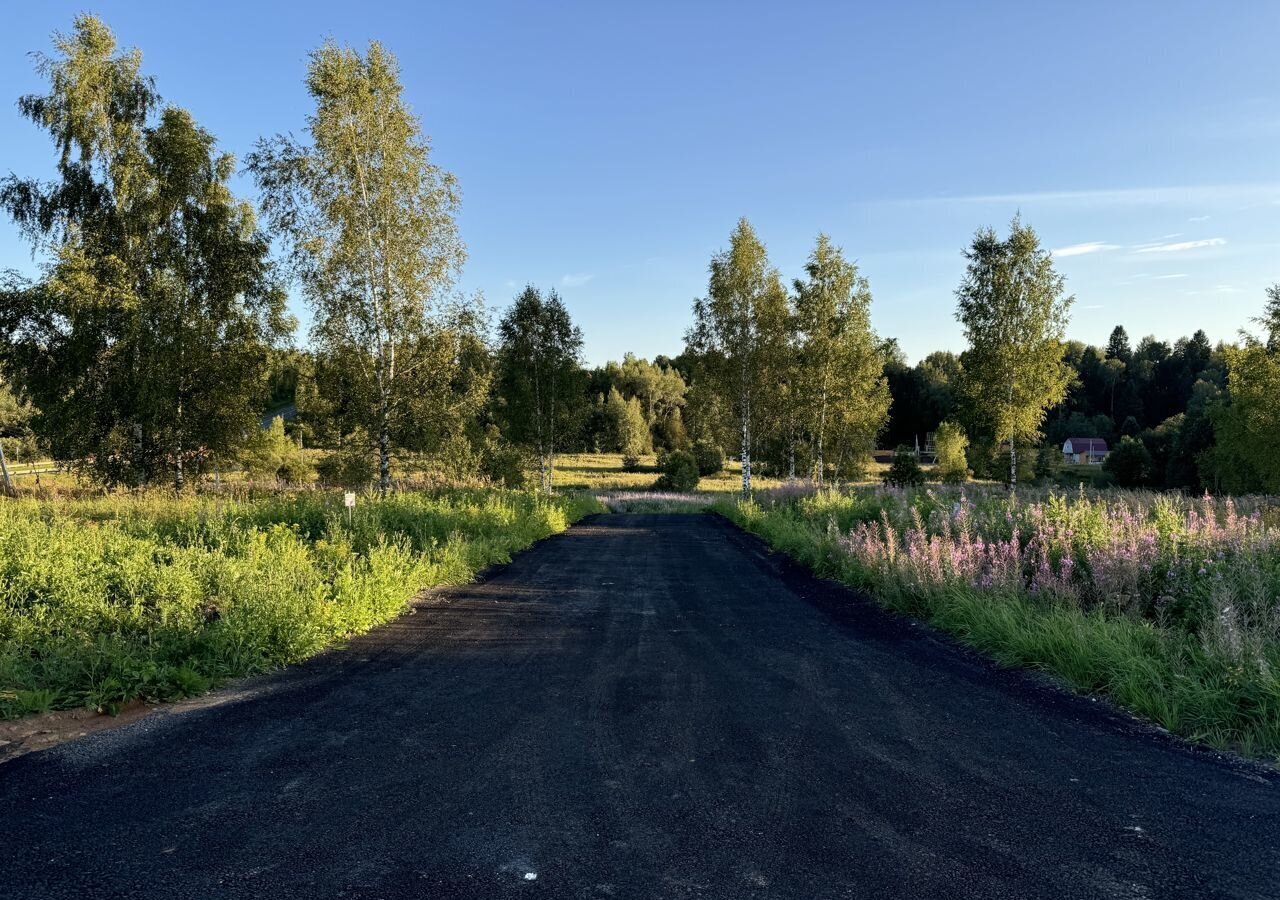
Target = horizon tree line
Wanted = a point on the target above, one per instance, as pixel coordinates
(156, 334)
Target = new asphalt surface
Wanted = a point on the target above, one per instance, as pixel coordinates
(643, 707)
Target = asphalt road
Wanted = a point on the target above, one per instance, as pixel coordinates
(642, 707)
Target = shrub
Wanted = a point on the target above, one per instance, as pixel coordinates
(271, 454)
(905, 471)
(631, 462)
(295, 469)
(503, 464)
(347, 468)
(950, 443)
(1129, 463)
(679, 472)
(708, 456)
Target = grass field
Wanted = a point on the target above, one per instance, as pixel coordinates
(152, 596)
(604, 472)
(1169, 606)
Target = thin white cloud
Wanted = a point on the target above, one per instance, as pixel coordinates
(575, 279)
(1166, 237)
(1199, 219)
(1180, 246)
(1185, 195)
(1094, 306)
(1085, 248)
(1225, 289)
(1172, 275)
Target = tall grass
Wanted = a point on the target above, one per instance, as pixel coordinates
(1168, 605)
(107, 600)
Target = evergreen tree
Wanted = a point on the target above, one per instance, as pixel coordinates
(1118, 345)
(905, 470)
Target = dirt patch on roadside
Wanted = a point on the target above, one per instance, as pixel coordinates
(30, 733)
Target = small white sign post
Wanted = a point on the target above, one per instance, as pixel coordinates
(349, 500)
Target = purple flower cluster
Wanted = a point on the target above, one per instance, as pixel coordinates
(1139, 552)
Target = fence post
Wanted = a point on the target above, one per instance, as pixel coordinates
(4, 470)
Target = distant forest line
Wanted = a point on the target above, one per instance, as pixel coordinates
(155, 335)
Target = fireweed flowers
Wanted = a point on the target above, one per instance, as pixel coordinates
(1139, 553)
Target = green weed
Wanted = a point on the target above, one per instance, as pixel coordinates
(111, 599)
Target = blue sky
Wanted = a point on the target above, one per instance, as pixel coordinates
(608, 149)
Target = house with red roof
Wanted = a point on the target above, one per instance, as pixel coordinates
(1084, 450)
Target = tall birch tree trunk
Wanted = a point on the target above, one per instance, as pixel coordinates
(1013, 450)
(384, 434)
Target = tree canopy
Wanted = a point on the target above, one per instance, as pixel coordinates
(1014, 309)
(539, 385)
(740, 334)
(370, 231)
(143, 343)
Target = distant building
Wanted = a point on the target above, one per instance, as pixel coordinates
(1084, 450)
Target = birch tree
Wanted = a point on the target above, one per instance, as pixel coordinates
(841, 386)
(740, 334)
(1014, 309)
(539, 383)
(369, 223)
(144, 342)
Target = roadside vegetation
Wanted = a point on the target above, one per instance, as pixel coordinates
(157, 597)
(149, 368)
(1170, 606)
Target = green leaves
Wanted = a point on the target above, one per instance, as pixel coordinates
(143, 344)
(1014, 309)
(1246, 429)
(740, 333)
(839, 385)
(369, 226)
(798, 373)
(539, 380)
